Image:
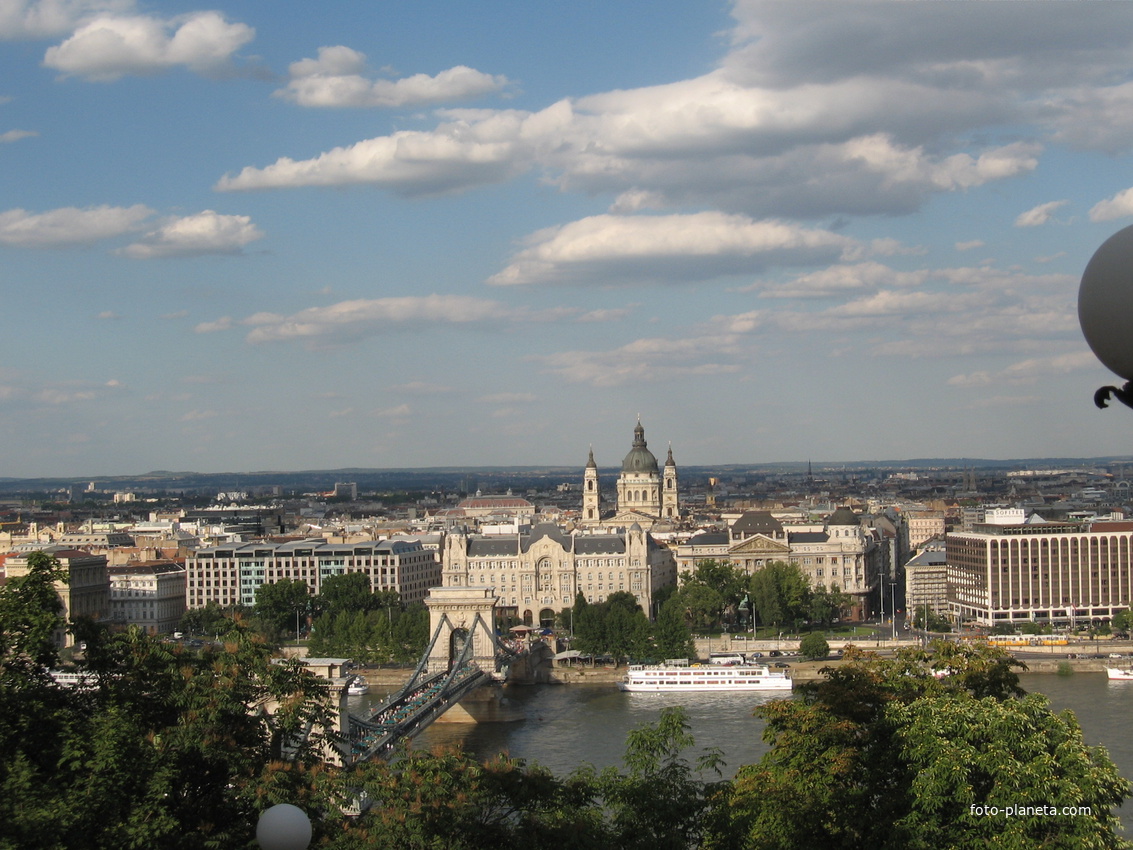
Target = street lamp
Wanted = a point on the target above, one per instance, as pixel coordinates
(283, 827)
(1105, 306)
(893, 605)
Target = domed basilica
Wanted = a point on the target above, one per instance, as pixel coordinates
(646, 494)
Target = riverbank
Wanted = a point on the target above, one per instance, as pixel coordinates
(801, 671)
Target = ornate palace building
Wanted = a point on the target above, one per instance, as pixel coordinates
(840, 552)
(539, 572)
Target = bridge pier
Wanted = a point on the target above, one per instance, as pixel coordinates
(486, 704)
(462, 614)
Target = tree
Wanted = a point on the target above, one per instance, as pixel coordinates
(1122, 621)
(210, 620)
(31, 614)
(659, 803)
(346, 592)
(725, 579)
(813, 646)
(671, 635)
(616, 627)
(827, 605)
(884, 754)
(701, 604)
(780, 594)
(279, 603)
(165, 748)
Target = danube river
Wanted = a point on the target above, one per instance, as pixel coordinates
(568, 725)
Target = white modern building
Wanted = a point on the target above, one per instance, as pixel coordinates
(1052, 572)
(230, 575)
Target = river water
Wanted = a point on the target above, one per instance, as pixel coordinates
(568, 725)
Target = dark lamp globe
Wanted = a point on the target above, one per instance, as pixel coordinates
(1105, 303)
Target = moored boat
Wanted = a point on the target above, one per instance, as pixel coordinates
(665, 678)
(1119, 674)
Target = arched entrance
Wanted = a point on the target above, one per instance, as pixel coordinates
(457, 640)
(527, 617)
(547, 618)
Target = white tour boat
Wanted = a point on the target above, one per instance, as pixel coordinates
(356, 686)
(706, 677)
(1119, 673)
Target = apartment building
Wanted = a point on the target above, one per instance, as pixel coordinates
(1052, 572)
(229, 575)
(147, 594)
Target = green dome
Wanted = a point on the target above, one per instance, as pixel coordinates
(640, 459)
(844, 516)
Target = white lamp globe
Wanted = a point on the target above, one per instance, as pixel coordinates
(1105, 303)
(283, 827)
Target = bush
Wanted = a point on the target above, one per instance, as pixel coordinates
(814, 647)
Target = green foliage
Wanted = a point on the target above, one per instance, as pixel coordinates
(616, 627)
(31, 614)
(1122, 621)
(780, 594)
(702, 605)
(883, 754)
(813, 646)
(925, 618)
(825, 606)
(659, 803)
(279, 603)
(672, 637)
(384, 636)
(210, 620)
(166, 749)
(448, 801)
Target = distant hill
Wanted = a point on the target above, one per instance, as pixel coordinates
(495, 479)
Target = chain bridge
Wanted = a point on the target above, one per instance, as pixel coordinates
(463, 657)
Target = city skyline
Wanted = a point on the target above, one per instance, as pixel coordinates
(416, 235)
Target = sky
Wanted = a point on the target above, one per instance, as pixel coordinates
(287, 236)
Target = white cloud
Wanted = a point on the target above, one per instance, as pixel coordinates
(221, 324)
(843, 279)
(69, 225)
(420, 388)
(336, 80)
(456, 156)
(646, 361)
(1030, 371)
(397, 412)
(107, 48)
(1039, 215)
(508, 398)
(700, 246)
(15, 135)
(29, 19)
(1118, 206)
(206, 232)
(969, 245)
(350, 320)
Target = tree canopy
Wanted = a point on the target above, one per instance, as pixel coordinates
(882, 753)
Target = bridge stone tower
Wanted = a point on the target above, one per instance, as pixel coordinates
(462, 614)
